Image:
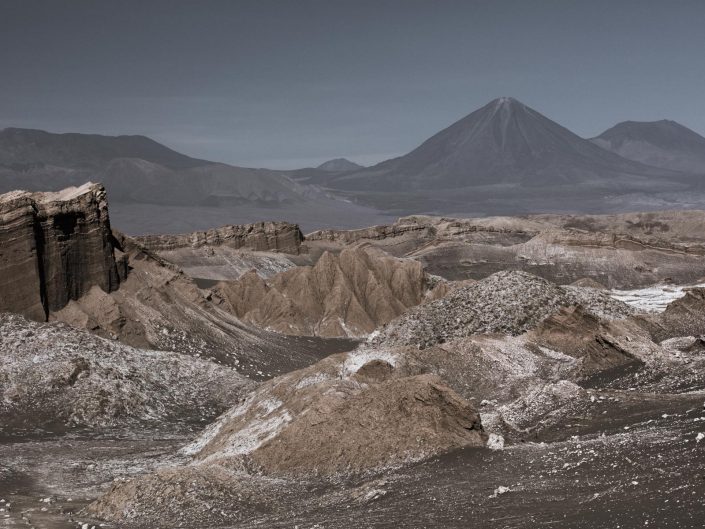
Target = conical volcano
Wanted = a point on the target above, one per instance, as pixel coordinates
(506, 143)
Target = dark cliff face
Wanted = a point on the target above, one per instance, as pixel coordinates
(54, 247)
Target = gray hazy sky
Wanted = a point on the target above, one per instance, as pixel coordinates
(292, 83)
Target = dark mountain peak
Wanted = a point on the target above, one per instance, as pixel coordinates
(664, 143)
(339, 165)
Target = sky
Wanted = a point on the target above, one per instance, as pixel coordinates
(292, 83)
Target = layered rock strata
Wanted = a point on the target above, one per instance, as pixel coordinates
(54, 247)
(260, 236)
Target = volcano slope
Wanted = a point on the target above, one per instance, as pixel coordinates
(662, 143)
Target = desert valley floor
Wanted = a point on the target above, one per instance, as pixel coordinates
(503, 372)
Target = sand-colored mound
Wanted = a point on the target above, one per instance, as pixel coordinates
(348, 294)
(350, 413)
(201, 496)
(315, 422)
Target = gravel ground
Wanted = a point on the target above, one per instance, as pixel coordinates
(639, 464)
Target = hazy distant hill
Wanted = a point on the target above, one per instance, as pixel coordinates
(153, 189)
(662, 143)
(503, 159)
(339, 165)
(28, 147)
(506, 143)
(134, 169)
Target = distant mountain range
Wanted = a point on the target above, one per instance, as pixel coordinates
(134, 169)
(154, 189)
(662, 143)
(504, 158)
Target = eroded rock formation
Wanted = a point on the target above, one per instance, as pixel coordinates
(614, 251)
(54, 247)
(160, 307)
(349, 294)
(332, 425)
(683, 317)
(260, 236)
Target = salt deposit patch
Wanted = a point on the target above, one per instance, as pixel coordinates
(213, 430)
(251, 437)
(312, 380)
(654, 298)
(358, 358)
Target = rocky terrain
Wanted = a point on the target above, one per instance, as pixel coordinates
(542, 387)
(90, 277)
(348, 294)
(509, 303)
(160, 307)
(625, 251)
(230, 251)
(319, 427)
(54, 377)
(263, 236)
(554, 376)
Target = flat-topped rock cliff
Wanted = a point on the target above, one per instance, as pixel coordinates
(259, 236)
(382, 231)
(54, 247)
